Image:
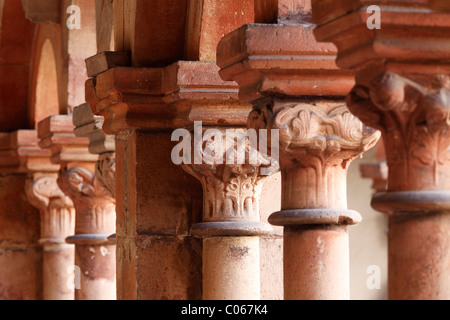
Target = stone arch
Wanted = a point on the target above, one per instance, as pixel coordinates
(47, 95)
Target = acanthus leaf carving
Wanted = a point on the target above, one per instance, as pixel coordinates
(318, 141)
(56, 208)
(232, 190)
(106, 172)
(326, 132)
(42, 191)
(80, 182)
(94, 205)
(415, 121)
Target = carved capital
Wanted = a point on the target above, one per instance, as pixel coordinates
(57, 211)
(95, 206)
(414, 116)
(322, 134)
(318, 141)
(89, 125)
(106, 172)
(232, 191)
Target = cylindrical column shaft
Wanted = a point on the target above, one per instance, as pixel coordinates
(95, 256)
(314, 203)
(58, 263)
(57, 222)
(98, 271)
(403, 91)
(231, 268)
(231, 226)
(419, 257)
(316, 262)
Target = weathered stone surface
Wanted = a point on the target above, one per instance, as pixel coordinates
(176, 270)
(57, 223)
(231, 216)
(104, 61)
(20, 253)
(20, 153)
(254, 56)
(318, 141)
(294, 87)
(152, 186)
(94, 206)
(402, 89)
(171, 97)
(90, 126)
(42, 11)
(56, 134)
(339, 20)
(15, 58)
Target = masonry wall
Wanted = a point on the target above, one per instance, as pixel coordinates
(20, 253)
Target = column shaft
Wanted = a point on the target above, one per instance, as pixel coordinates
(418, 257)
(403, 91)
(58, 263)
(231, 268)
(94, 208)
(316, 262)
(95, 223)
(297, 90)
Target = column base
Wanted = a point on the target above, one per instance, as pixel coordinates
(231, 228)
(315, 216)
(89, 239)
(412, 202)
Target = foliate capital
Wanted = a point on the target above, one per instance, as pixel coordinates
(414, 116)
(320, 131)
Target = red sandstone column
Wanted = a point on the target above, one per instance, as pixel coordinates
(94, 206)
(296, 88)
(402, 89)
(90, 126)
(167, 81)
(57, 223)
(57, 215)
(231, 224)
(175, 97)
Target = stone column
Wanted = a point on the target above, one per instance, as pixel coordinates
(57, 218)
(90, 126)
(57, 223)
(231, 224)
(94, 206)
(175, 96)
(402, 89)
(296, 88)
(168, 80)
